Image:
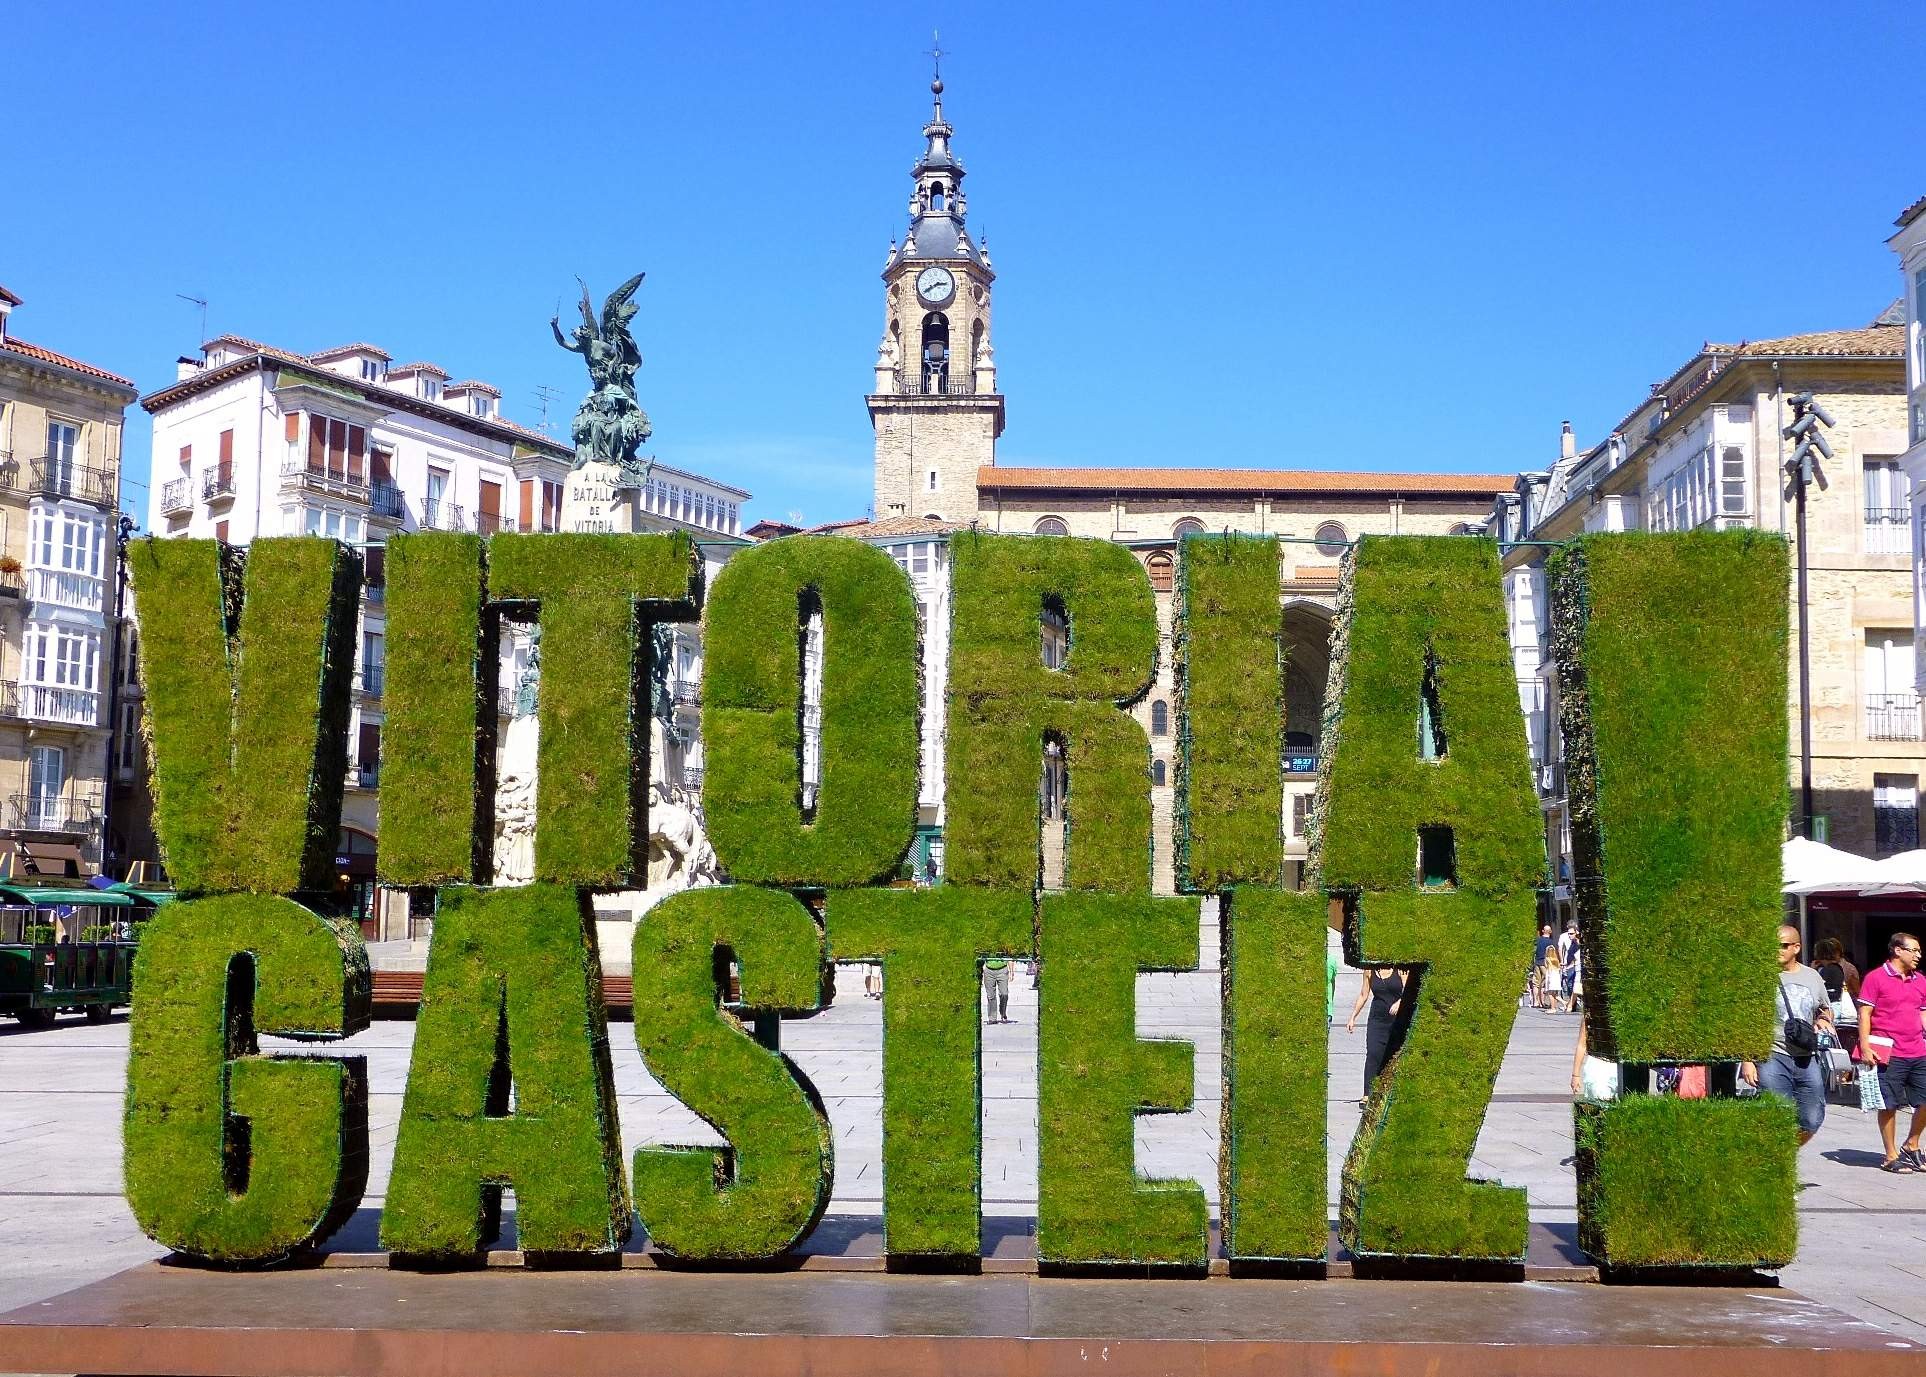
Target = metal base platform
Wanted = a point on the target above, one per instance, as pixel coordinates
(345, 1321)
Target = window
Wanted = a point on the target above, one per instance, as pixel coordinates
(1159, 773)
(127, 744)
(1189, 525)
(432, 514)
(46, 776)
(1162, 577)
(932, 481)
(1892, 699)
(374, 659)
(220, 532)
(1052, 526)
(63, 443)
(1888, 497)
(1732, 481)
(371, 370)
(63, 657)
(1160, 718)
(919, 559)
(431, 388)
(1895, 813)
(1332, 539)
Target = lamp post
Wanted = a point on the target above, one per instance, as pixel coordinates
(124, 528)
(1802, 469)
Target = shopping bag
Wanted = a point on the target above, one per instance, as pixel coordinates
(1869, 1096)
(1693, 1082)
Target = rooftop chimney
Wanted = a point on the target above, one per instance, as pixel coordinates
(1567, 442)
(185, 368)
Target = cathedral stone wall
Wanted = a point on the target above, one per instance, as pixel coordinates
(918, 437)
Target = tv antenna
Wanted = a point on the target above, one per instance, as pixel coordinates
(544, 395)
(201, 302)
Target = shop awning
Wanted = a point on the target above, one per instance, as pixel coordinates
(144, 894)
(53, 896)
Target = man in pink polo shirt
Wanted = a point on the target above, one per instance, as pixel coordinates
(1892, 1036)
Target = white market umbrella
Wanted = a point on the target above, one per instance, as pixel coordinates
(1811, 867)
(1901, 874)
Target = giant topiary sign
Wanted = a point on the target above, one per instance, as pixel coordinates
(1672, 653)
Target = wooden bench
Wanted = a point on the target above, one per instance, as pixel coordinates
(397, 994)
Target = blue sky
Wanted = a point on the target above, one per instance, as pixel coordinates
(1334, 237)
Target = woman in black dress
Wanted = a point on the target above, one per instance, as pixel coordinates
(1384, 989)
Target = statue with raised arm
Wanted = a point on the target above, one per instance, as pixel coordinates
(610, 425)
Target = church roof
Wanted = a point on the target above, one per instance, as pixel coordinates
(995, 478)
(938, 236)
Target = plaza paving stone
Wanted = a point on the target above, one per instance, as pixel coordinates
(63, 1221)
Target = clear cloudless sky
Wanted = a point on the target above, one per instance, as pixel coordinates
(1331, 236)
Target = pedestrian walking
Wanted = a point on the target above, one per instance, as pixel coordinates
(1383, 989)
(1842, 987)
(1800, 1013)
(1568, 966)
(1892, 1045)
(996, 990)
(1543, 968)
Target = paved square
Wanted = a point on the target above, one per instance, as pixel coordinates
(63, 1221)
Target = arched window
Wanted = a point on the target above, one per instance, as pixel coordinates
(1159, 718)
(1159, 773)
(1332, 539)
(1190, 525)
(936, 196)
(1459, 528)
(1162, 579)
(1052, 525)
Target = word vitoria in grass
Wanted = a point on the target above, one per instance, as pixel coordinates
(1425, 840)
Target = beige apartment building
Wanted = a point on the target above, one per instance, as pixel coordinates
(60, 451)
(1704, 450)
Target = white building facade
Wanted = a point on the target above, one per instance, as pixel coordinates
(1910, 246)
(254, 440)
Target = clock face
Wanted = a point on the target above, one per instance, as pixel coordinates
(935, 285)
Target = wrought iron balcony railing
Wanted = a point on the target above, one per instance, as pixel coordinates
(369, 680)
(296, 472)
(911, 382)
(487, 523)
(177, 497)
(385, 499)
(441, 516)
(1892, 717)
(79, 813)
(217, 484)
(53, 477)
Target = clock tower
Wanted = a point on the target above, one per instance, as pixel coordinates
(935, 407)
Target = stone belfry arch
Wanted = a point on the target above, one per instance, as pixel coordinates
(935, 407)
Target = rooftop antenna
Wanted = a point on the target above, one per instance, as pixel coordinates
(201, 302)
(544, 395)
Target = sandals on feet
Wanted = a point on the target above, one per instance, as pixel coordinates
(1899, 1166)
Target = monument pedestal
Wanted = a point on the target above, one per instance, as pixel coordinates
(596, 500)
(365, 1321)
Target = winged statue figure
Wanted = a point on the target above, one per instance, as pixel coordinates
(610, 425)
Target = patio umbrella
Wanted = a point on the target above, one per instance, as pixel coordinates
(1812, 867)
(1901, 874)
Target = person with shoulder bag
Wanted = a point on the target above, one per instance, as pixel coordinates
(1802, 1012)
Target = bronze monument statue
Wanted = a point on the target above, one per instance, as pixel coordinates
(610, 424)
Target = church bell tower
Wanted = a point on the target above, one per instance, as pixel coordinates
(935, 406)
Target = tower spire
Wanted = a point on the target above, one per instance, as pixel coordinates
(936, 76)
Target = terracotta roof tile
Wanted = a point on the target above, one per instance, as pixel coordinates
(254, 346)
(1911, 213)
(8, 297)
(402, 368)
(471, 385)
(893, 526)
(34, 351)
(1874, 342)
(997, 478)
(341, 350)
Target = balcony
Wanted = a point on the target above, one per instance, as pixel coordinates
(687, 693)
(1888, 531)
(67, 707)
(297, 474)
(63, 479)
(13, 582)
(217, 485)
(441, 516)
(64, 588)
(1892, 717)
(364, 777)
(177, 497)
(79, 814)
(385, 501)
(911, 383)
(493, 524)
(368, 682)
